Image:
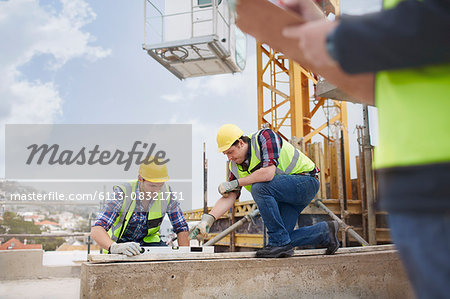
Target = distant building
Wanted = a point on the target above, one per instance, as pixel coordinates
(77, 246)
(49, 225)
(33, 218)
(16, 244)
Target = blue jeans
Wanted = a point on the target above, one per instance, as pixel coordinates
(280, 202)
(423, 241)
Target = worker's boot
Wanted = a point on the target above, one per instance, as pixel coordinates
(275, 251)
(334, 241)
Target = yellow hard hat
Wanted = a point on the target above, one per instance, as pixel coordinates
(227, 135)
(153, 172)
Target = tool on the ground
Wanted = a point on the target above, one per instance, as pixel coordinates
(247, 218)
(319, 204)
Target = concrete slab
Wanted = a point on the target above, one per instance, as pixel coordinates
(376, 274)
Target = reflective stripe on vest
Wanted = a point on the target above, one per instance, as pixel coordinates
(290, 161)
(413, 106)
(156, 211)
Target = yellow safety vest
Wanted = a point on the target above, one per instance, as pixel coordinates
(155, 216)
(290, 161)
(413, 112)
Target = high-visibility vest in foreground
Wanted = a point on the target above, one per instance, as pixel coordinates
(413, 112)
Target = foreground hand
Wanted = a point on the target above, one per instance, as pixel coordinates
(227, 187)
(201, 230)
(129, 248)
(312, 41)
(307, 9)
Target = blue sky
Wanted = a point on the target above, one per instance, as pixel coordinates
(76, 61)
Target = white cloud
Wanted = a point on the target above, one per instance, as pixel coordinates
(28, 30)
(34, 102)
(172, 98)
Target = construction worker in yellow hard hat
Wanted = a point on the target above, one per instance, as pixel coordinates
(134, 217)
(153, 172)
(226, 136)
(282, 181)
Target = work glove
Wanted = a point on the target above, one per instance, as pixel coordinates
(227, 187)
(201, 230)
(128, 248)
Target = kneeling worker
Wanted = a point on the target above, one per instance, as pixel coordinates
(133, 218)
(282, 181)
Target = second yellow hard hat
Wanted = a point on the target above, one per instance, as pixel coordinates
(153, 172)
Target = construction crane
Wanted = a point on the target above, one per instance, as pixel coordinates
(200, 38)
(290, 101)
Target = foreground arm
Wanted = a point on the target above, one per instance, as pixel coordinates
(104, 222)
(412, 34)
(408, 35)
(100, 236)
(223, 205)
(178, 222)
(183, 239)
(261, 175)
(201, 230)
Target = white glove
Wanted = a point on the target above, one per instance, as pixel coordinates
(201, 230)
(128, 248)
(227, 187)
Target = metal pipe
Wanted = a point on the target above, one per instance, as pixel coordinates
(205, 180)
(233, 234)
(351, 232)
(342, 184)
(362, 182)
(245, 219)
(89, 236)
(371, 217)
(265, 241)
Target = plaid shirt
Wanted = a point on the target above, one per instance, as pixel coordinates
(137, 226)
(270, 144)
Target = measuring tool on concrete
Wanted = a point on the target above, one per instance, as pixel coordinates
(155, 253)
(176, 249)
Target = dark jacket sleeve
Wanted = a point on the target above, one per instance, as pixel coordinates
(412, 34)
